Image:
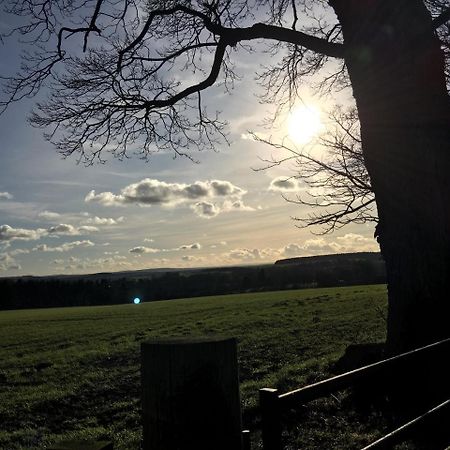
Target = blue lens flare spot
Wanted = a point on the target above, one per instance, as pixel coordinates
(136, 301)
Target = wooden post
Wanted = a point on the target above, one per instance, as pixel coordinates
(190, 395)
(271, 419)
(246, 442)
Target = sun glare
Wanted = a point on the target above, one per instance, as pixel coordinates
(304, 123)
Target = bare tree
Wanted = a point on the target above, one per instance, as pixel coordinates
(117, 71)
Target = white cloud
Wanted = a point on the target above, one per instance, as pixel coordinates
(86, 229)
(350, 242)
(141, 250)
(5, 196)
(8, 233)
(237, 205)
(19, 251)
(149, 192)
(104, 220)
(189, 258)
(292, 250)
(49, 215)
(219, 244)
(66, 247)
(64, 229)
(7, 262)
(205, 209)
(254, 254)
(283, 184)
(194, 246)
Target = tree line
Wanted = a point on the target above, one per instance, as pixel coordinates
(320, 271)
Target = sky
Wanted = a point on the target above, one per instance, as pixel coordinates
(60, 217)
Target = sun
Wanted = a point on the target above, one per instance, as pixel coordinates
(304, 123)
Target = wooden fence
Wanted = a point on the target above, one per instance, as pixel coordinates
(273, 404)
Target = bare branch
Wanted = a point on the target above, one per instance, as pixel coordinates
(442, 18)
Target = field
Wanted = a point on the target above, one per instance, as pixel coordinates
(74, 372)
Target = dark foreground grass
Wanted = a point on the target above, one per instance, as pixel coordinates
(74, 372)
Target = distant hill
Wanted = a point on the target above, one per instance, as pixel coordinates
(160, 284)
(334, 259)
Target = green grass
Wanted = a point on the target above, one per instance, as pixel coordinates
(74, 372)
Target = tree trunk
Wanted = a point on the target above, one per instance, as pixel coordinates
(396, 69)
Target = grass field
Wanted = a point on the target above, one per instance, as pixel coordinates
(74, 372)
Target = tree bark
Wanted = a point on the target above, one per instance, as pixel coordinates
(396, 69)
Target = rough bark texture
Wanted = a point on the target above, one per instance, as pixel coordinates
(397, 72)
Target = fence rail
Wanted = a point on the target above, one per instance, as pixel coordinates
(273, 404)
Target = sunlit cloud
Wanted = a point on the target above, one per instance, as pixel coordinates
(8, 233)
(103, 220)
(66, 247)
(64, 229)
(150, 192)
(283, 184)
(205, 209)
(7, 262)
(6, 196)
(350, 242)
(194, 246)
(49, 215)
(140, 250)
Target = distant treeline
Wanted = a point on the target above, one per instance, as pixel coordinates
(318, 271)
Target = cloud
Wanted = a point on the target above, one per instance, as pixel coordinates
(19, 251)
(66, 247)
(5, 196)
(7, 262)
(86, 229)
(49, 215)
(194, 246)
(283, 184)
(237, 205)
(149, 192)
(189, 258)
(104, 220)
(246, 254)
(219, 244)
(65, 229)
(292, 250)
(350, 242)
(62, 228)
(76, 264)
(140, 250)
(8, 233)
(205, 209)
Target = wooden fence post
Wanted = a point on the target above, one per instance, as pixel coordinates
(246, 442)
(271, 419)
(190, 394)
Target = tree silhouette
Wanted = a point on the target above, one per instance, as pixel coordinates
(125, 85)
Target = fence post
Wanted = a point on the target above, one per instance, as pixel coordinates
(271, 418)
(190, 394)
(246, 442)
